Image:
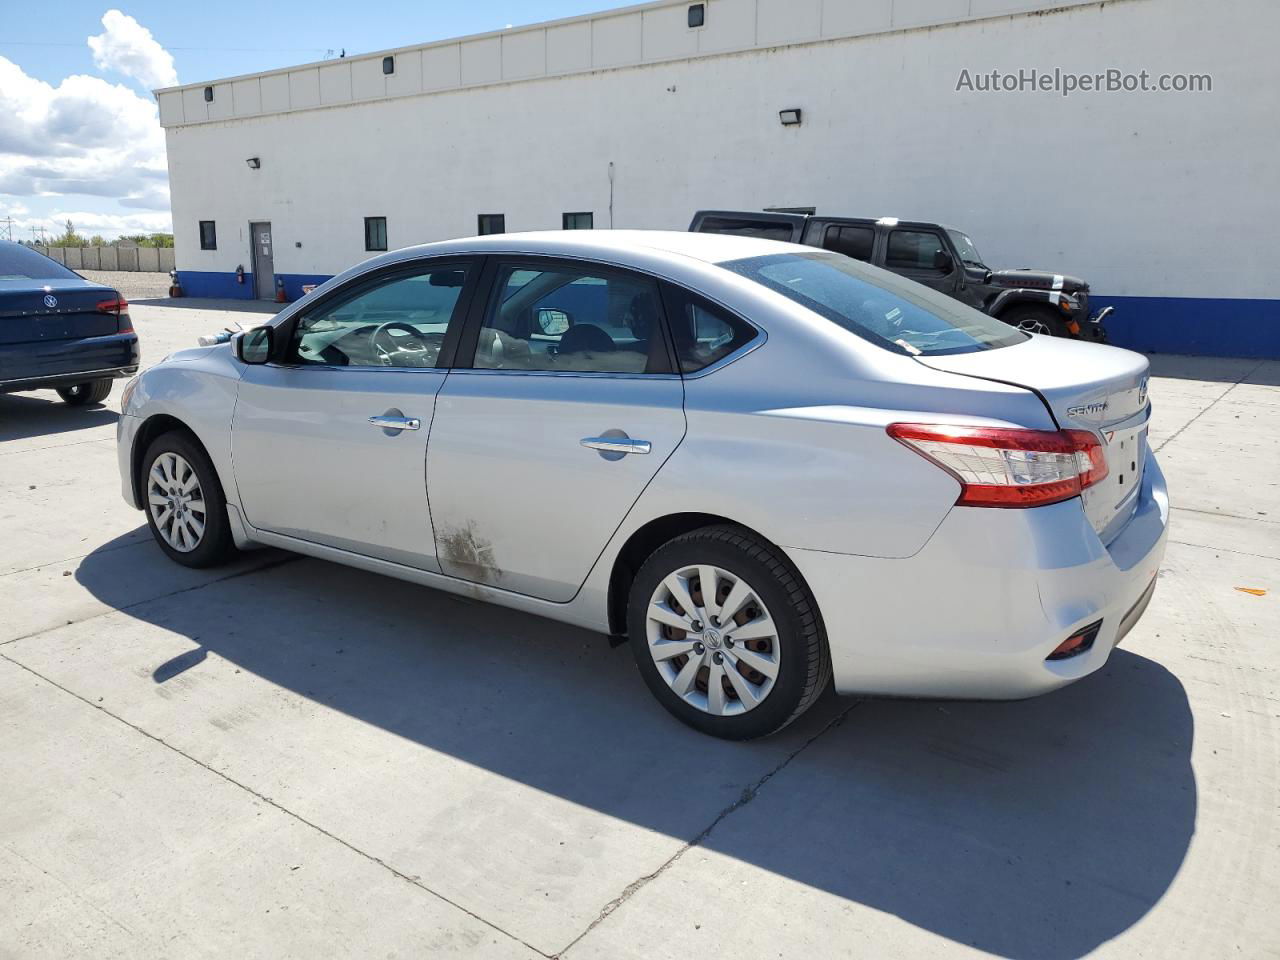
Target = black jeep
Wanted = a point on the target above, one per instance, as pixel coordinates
(940, 257)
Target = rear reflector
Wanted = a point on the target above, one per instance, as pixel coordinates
(1009, 466)
(1077, 643)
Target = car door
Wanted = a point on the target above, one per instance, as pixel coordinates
(922, 255)
(329, 443)
(563, 406)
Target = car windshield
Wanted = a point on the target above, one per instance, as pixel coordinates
(964, 246)
(879, 306)
(19, 263)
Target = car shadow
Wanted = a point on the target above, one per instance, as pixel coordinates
(1039, 829)
(40, 415)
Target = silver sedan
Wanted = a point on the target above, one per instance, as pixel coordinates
(773, 469)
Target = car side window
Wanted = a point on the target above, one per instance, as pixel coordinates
(568, 319)
(855, 242)
(915, 250)
(398, 322)
(703, 333)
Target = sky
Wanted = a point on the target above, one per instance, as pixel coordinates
(79, 135)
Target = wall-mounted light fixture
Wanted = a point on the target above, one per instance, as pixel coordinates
(388, 65)
(254, 163)
(208, 94)
(790, 117)
(697, 15)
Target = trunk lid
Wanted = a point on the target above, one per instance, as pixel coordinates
(32, 311)
(1086, 386)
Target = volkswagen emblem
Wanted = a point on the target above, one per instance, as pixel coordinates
(1142, 392)
(50, 300)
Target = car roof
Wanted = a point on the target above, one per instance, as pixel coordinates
(610, 244)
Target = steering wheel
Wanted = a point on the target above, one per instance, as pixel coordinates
(416, 354)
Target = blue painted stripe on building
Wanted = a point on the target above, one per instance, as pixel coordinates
(213, 284)
(1216, 327)
(1212, 327)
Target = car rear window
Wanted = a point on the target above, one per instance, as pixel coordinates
(877, 305)
(735, 227)
(19, 263)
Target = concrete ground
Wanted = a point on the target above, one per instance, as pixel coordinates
(290, 758)
(133, 284)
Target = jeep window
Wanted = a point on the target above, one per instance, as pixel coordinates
(737, 227)
(968, 252)
(914, 250)
(853, 242)
(889, 311)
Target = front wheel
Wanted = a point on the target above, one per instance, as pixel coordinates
(186, 510)
(726, 635)
(83, 394)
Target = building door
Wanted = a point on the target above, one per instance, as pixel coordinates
(264, 275)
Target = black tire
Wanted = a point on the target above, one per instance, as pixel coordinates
(216, 546)
(1031, 318)
(804, 670)
(84, 394)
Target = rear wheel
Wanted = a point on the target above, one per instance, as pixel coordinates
(1033, 319)
(186, 510)
(726, 635)
(83, 394)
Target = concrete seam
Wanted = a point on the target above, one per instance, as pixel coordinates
(55, 446)
(748, 794)
(164, 596)
(267, 800)
(1177, 433)
(1240, 553)
(1225, 516)
(79, 556)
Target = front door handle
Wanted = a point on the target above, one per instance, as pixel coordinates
(396, 423)
(622, 445)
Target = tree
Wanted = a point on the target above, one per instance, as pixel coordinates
(97, 241)
(147, 240)
(69, 237)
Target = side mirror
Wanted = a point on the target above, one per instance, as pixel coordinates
(553, 322)
(942, 262)
(254, 346)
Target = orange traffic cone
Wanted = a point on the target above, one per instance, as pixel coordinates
(280, 297)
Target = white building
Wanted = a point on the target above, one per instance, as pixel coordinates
(1167, 202)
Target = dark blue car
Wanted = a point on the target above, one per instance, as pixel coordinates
(59, 331)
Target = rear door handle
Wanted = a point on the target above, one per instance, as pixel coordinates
(622, 445)
(396, 423)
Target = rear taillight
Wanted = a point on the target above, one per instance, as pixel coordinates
(1009, 466)
(120, 307)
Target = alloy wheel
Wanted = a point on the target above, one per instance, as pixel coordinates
(1032, 325)
(713, 640)
(176, 502)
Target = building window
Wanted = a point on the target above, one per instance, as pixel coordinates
(388, 65)
(375, 233)
(491, 223)
(697, 14)
(208, 235)
(578, 221)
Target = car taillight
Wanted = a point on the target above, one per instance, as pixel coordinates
(120, 307)
(1009, 466)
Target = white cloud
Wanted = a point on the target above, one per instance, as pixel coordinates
(87, 136)
(88, 223)
(127, 47)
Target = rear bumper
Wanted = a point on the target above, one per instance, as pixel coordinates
(978, 610)
(63, 363)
